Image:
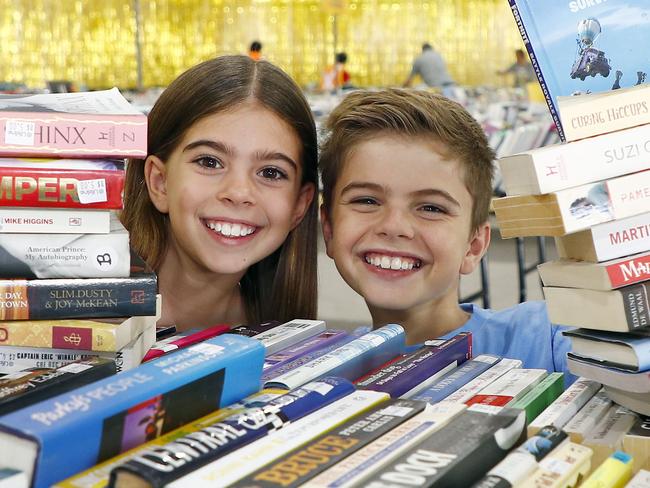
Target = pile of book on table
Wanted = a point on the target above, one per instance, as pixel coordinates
(69, 288)
(297, 404)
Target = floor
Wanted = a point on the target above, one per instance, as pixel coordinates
(341, 307)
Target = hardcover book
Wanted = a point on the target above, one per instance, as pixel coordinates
(19, 390)
(63, 435)
(607, 275)
(30, 256)
(607, 241)
(579, 47)
(628, 351)
(54, 220)
(621, 310)
(87, 298)
(635, 382)
(636, 402)
(573, 209)
(560, 166)
(84, 124)
(182, 340)
(61, 183)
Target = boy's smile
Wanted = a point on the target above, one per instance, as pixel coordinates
(399, 225)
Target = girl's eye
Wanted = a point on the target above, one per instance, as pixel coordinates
(273, 173)
(209, 162)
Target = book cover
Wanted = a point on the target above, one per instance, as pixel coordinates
(280, 336)
(621, 310)
(580, 47)
(635, 382)
(54, 221)
(607, 436)
(562, 467)
(636, 443)
(640, 480)
(294, 468)
(255, 329)
(607, 241)
(44, 256)
(70, 298)
(560, 166)
(458, 454)
(62, 183)
(83, 124)
(607, 275)
(63, 435)
(615, 471)
(628, 351)
(565, 406)
(573, 209)
(350, 361)
(159, 465)
(98, 476)
(183, 339)
(19, 390)
(472, 388)
(12, 478)
(19, 358)
(419, 368)
(227, 470)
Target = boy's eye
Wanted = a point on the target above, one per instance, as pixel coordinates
(273, 173)
(432, 208)
(364, 201)
(209, 162)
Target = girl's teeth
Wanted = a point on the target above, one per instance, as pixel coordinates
(231, 230)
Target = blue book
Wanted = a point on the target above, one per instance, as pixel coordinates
(584, 46)
(56, 438)
(627, 351)
(460, 376)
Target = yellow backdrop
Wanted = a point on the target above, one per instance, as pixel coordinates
(93, 42)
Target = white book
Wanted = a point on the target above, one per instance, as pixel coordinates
(508, 388)
(13, 478)
(54, 220)
(565, 406)
(607, 435)
(234, 466)
(481, 381)
(325, 364)
(354, 468)
(289, 333)
(587, 417)
(640, 480)
(31, 255)
(551, 168)
(561, 468)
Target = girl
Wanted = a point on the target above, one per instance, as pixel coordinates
(223, 206)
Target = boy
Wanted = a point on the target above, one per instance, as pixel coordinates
(407, 183)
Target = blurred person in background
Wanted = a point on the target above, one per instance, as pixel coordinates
(431, 67)
(255, 51)
(521, 70)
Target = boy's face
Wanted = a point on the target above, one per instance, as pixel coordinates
(399, 225)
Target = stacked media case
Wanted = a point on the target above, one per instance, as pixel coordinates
(69, 288)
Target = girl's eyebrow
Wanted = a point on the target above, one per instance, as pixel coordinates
(263, 155)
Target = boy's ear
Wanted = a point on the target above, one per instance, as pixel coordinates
(155, 175)
(477, 247)
(305, 197)
(327, 228)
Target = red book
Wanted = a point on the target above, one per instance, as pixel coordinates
(61, 183)
(183, 339)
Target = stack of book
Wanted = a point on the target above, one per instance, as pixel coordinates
(69, 287)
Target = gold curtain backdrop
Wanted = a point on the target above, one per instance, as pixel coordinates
(93, 42)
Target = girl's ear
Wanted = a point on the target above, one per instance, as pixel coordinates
(155, 175)
(477, 247)
(305, 198)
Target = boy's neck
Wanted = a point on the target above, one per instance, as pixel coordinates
(423, 323)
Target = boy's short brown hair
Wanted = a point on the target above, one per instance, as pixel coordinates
(364, 114)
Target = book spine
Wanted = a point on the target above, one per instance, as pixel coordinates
(453, 380)
(99, 420)
(65, 256)
(300, 465)
(614, 471)
(160, 465)
(309, 345)
(61, 188)
(564, 466)
(630, 271)
(350, 360)
(636, 303)
(517, 6)
(78, 298)
(182, 340)
(26, 388)
(407, 373)
(234, 466)
(587, 417)
(510, 387)
(472, 388)
(288, 334)
(541, 396)
(72, 134)
(54, 221)
(565, 406)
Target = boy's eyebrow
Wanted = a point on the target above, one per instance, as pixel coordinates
(365, 185)
(224, 148)
(436, 192)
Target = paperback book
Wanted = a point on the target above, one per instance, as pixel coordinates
(634, 382)
(588, 417)
(627, 351)
(616, 470)
(183, 339)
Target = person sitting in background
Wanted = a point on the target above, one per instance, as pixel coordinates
(406, 181)
(521, 70)
(255, 51)
(431, 67)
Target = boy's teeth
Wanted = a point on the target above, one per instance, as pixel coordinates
(231, 230)
(387, 262)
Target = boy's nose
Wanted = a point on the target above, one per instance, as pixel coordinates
(395, 223)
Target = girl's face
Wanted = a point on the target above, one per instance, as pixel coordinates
(232, 189)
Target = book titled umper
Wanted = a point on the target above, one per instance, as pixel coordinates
(63, 435)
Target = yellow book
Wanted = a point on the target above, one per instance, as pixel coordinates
(614, 472)
(563, 467)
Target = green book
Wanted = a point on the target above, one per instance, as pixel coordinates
(541, 396)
